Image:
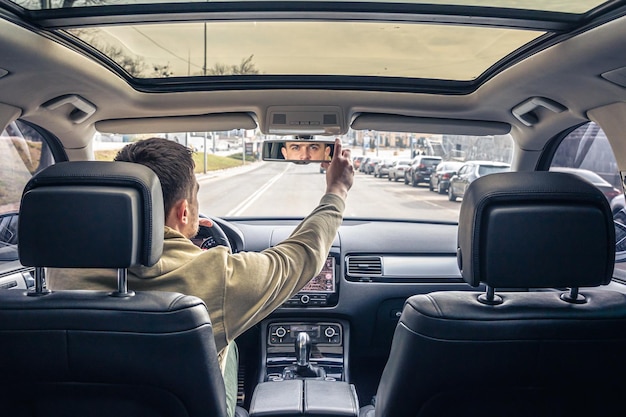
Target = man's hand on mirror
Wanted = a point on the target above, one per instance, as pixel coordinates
(339, 171)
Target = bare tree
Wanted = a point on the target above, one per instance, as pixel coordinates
(219, 69)
(162, 71)
(133, 65)
(246, 67)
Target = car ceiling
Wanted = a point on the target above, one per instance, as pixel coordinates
(577, 70)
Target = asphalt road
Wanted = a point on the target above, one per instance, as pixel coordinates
(285, 189)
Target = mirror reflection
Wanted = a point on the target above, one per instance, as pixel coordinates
(298, 150)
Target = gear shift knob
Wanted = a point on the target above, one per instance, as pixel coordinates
(303, 349)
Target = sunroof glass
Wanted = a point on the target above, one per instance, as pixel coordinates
(444, 52)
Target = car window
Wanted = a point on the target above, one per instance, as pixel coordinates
(586, 152)
(430, 162)
(491, 169)
(23, 152)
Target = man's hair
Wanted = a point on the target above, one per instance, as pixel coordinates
(172, 162)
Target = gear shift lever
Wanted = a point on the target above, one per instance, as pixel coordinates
(302, 367)
(303, 349)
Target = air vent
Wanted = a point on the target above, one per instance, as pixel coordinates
(359, 266)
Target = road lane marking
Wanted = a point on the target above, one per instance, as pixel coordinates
(439, 206)
(238, 210)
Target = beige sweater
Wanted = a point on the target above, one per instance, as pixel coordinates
(239, 289)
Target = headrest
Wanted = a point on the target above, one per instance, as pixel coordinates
(91, 214)
(535, 229)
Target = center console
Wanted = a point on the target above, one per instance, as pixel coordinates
(304, 369)
(306, 342)
(327, 348)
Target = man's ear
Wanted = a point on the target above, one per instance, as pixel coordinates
(179, 214)
(183, 211)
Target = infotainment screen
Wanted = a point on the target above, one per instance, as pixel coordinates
(325, 281)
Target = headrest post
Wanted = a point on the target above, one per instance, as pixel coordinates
(574, 296)
(122, 284)
(490, 297)
(40, 283)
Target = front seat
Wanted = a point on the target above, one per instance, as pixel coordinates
(536, 343)
(98, 353)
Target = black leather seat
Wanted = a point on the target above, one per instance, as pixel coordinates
(536, 343)
(96, 353)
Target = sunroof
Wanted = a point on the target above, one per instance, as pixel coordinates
(443, 52)
(439, 40)
(563, 6)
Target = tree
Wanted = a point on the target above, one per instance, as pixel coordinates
(245, 67)
(162, 71)
(218, 69)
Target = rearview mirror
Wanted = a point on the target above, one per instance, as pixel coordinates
(300, 151)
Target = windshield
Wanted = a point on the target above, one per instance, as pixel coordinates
(235, 182)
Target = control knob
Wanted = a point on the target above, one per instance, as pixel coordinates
(329, 332)
(280, 332)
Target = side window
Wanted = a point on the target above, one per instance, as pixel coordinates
(586, 152)
(23, 152)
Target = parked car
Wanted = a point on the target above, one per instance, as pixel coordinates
(363, 167)
(356, 162)
(420, 169)
(370, 164)
(397, 169)
(470, 171)
(440, 179)
(530, 83)
(609, 191)
(381, 169)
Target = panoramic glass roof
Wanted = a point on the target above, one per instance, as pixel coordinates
(305, 48)
(455, 41)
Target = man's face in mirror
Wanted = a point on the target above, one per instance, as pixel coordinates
(300, 151)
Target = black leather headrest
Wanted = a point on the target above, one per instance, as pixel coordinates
(535, 229)
(91, 214)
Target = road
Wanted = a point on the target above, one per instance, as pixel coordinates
(285, 189)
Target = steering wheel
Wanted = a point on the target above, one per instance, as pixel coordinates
(210, 235)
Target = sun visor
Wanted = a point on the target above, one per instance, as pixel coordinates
(399, 123)
(199, 123)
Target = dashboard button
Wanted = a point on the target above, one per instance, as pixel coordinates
(280, 332)
(329, 332)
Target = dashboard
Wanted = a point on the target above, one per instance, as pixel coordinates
(351, 308)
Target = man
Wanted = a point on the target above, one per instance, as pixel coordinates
(239, 289)
(305, 151)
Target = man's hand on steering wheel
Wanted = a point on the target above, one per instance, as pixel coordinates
(210, 234)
